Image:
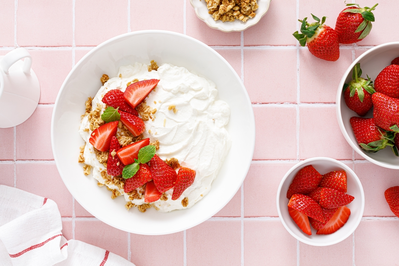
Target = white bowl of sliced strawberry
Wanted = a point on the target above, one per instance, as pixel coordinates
(320, 201)
(368, 105)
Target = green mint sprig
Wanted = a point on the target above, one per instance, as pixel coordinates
(110, 114)
(145, 155)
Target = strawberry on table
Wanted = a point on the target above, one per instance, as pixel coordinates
(306, 180)
(354, 23)
(301, 220)
(322, 40)
(142, 176)
(386, 111)
(115, 99)
(138, 91)
(336, 180)
(129, 153)
(328, 214)
(151, 193)
(392, 198)
(387, 81)
(358, 93)
(163, 175)
(133, 123)
(330, 198)
(395, 61)
(185, 178)
(307, 206)
(100, 138)
(338, 220)
(114, 165)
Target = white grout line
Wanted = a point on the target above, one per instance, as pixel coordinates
(185, 248)
(129, 251)
(297, 112)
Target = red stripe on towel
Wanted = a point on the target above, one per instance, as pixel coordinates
(44, 201)
(105, 258)
(66, 244)
(33, 247)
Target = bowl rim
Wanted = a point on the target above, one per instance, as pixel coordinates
(344, 167)
(246, 163)
(339, 102)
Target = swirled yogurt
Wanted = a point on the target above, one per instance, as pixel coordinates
(190, 125)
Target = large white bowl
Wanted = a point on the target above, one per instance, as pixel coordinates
(323, 165)
(202, 13)
(371, 63)
(84, 81)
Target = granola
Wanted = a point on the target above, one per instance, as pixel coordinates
(230, 10)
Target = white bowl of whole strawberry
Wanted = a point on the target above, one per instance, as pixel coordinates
(368, 105)
(320, 201)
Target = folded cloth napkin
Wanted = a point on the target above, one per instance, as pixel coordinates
(30, 234)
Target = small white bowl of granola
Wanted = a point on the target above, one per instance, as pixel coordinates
(229, 16)
(160, 93)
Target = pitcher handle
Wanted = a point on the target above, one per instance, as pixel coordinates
(15, 55)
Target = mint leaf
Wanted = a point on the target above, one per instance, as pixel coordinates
(146, 153)
(110, 114)
(130, 170)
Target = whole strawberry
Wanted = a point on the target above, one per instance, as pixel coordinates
(395, 61)
(392, 198)
(386, 111)
(358, 93)
(322, 40)
(387, 81)
(354, 23)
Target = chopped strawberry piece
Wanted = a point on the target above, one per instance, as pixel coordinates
(301, 220)
(328, 213)
(114, 165)
(129, 153)
(335, 180)
(133, 123)
(142, 176)
(115, 99)
(136, 92)
(185, 178)
(101, 137)
(163, 175)
(306, 180)
(307, 206)
(392, 198)
(331, 198)
(338, 220)
(151, 192)
(316, 194)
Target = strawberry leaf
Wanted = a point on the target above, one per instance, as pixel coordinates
(395, 150)
(130, 170)
(362, 26)
(354, 11)
(367, 15)
(110, 114)
(300, 37)
(360, 94)
(315, 18)
(394, 128)
(146, 153)
(366, 31)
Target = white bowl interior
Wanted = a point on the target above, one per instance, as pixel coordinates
(355, 188)
(84, 81)
(371, 63)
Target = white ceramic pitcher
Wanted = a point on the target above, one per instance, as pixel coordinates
(19, 88)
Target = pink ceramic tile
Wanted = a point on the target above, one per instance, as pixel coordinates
(260, 187)
(315, 7)
(95, 25)
(198, 29)
(319, 133)
(233, 56)
(233, 208)
(214, 243)
(7, 143)
(44, 180)
(319, 79)
(7, 16)
(376, 243)
(80, 211)
(267, 79)
(157, 250)
(33, 136)
(102, 235)
(67, 230)
(265, 32)
(375, 181)
(268, 243)
(50, 77)
(7, 174)
(44, 23)
(275, 132)
(338, 254)
(157, 15)
(359, 51)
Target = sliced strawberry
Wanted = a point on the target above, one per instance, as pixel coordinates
(129, 153)
(392, 198)
(151, 193)
(142, 176)
(336, 180)
(101, 137)
(136, 92)
(301, 220)
(331, 198)
(114, 164)
(316, 194)
(307, 206)
(306, 180)
(185, 177)
(115, 99)
(338, 220)
(328, 213)
(133, 123)
(163, 175)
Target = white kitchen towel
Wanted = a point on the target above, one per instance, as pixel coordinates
(30, 234)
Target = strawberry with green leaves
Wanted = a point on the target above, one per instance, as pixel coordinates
(322, 40)
(358, 93)
(387, 81)
(386, 112)
(354, 23)
(145, 154)
(142, 176)
(130, 153)
(392, 198)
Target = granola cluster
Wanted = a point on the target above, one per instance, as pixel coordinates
(230, 10)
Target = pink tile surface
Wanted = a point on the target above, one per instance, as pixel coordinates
(7, 143)
(7, 17)
(67, 229)
(233, 56)
(80, 211)
(7, 174)
(233, 208)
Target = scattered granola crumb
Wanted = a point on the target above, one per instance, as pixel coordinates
(173, 108)
(144, 207)
(131, 82)
(130, 205)
(120, 75)
(184, 202)
(164, 122)
(113, 153)
(81, 158)
(88, 104)
(115, 193)
(102, 156)
(104, 78)
(155, 102)
(173, 162)
(146, 112)
(135, 194)
(156, 144)
(86, 169)
(164, 197)
(149, 131)
(100, 184)
(153, 66)
(94, 117)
